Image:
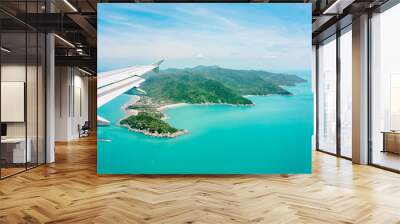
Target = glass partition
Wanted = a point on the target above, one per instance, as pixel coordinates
(327, 96)
(346, 93)
(385, 89)
(15, 150)
(31, 97)
(41, 97)
(22, 67)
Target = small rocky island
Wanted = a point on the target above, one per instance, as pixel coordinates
(149, 124)
(198, 85)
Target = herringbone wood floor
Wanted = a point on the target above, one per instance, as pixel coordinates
(69, 191)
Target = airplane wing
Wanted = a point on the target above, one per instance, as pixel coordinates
(116, 82)
(113, 83)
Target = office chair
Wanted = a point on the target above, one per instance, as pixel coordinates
(84, 130)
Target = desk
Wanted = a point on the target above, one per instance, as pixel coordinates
(391, 141)
(15, 148)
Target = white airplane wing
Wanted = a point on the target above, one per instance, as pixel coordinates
(116, 82)
(113, 83)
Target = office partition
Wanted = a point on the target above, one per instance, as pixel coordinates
(22, 77)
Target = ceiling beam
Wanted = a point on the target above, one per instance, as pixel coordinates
(49, 22)
(338, 6)
(77, 61)
(86, 26)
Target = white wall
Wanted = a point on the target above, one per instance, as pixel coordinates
(12, 73)
(33, 126)
(17, 73)
(80, 112)
(71, 102)
(62, 82)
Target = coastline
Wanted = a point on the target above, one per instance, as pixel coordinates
(224, 104)
(130, 112)
(272, 94)
(174, 105)
(168, 135)
(250, 95)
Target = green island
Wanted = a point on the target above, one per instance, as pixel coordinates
(199, 85)
(149, 124)
(150, 110)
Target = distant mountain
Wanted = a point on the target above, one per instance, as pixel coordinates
(190, 88)
(214, 84)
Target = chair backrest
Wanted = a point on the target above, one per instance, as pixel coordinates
(86, 125)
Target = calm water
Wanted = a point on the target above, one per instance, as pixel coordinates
(272, 137)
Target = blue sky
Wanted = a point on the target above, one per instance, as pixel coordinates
(240, 36)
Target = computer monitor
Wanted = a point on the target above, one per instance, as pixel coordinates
(3, 129)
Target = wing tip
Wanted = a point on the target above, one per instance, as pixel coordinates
(159, 62)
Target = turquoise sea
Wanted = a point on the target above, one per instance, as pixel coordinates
(272, 137)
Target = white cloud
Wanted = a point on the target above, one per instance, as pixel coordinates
(269, 56)
(213, 38)
(199, 55)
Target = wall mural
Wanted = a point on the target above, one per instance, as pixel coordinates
(204, 88)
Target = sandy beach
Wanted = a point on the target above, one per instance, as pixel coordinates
(128, 111)
(164, 135)
(168, 106)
